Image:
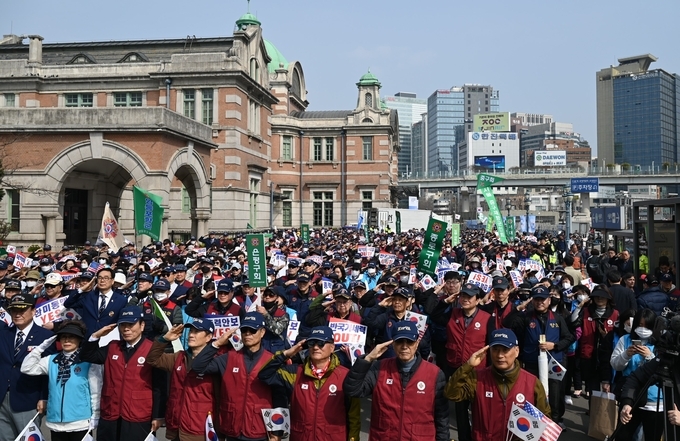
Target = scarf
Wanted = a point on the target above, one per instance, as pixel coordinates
(64, 364)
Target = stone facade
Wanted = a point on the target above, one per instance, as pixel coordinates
(218, 127)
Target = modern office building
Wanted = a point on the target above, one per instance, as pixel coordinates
(409, 108)
(553, 137)
(419, 147)
(638, 114)
(531, 119)
(450, 113)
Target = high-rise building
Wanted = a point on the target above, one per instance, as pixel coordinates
(450, 113)
(419, 147)
(553, 137)
(409, 108)
(531, 119)
(638, 114)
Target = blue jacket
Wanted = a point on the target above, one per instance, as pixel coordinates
(25, 390)
(70, 402)
(654, 299)
(87, 305)
(653, 392)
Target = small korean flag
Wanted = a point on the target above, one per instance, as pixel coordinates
(277, 419)
(555, 370)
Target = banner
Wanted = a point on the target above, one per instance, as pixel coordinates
(484, 281)
(304, 233)
(346, 332)
(432, 246)
(148, 213)
(110, 233)
(510, 229)
(223, 324)
(53, 311)
(455, 234)
(532, 224)
(523, 224)
(490, 224)
(366, 251)
(484, 183)
(257, 260)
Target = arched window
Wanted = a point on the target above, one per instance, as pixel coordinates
(254, 70)
(368, 100)
(297, 87)
(367, 121)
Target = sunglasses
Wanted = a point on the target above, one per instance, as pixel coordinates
(318, 343)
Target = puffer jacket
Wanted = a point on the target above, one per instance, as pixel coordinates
(654, 299)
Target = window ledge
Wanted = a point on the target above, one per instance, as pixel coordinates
(364, 161)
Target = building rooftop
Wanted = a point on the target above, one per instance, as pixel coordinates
(643, 60)
(321, 114)
(368, 79)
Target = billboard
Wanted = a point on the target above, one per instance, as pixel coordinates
(546, 158)
(492, 122)
(490, 163)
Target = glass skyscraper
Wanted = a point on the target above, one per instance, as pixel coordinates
(409, 108)
(646, 118)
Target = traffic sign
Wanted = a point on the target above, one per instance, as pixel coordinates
(585, 185)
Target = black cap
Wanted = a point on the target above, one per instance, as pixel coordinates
(21, 301)
(470, 289)
(342, 293)
(391, 281)
(71, 328)
(500, 283)
(403, 292)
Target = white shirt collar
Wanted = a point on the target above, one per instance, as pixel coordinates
(107, 294)
(26, 330)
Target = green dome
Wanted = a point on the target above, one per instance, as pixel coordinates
(383, 105)
(277, 57)
(247, 19)
(368, 79)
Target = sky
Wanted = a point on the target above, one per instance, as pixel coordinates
(541, 55)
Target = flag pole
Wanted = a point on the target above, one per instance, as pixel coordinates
(26, 427)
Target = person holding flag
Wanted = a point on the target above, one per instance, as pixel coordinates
(493, 390)
(242, 393)
(191, 396)
(155, 325)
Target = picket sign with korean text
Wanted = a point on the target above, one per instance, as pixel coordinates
(481, 280)
(517, 278)
(366, 251)
(277, 260)
(293, 329)
(386, 258)
(53, 311)
(420, 320)
(223, 324)
(316, 259)
(346, 332)
(500, 264)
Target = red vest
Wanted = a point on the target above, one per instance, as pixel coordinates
(404, 414)
(352, 317)
(242, 398)
(319, 414)
(589, 329)
(462, 342)
(490, 412)
(126, 391)
(190, 399)
(212, 311)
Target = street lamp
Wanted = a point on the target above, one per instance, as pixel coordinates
(508, 206)
(568, 199)
(527, 205)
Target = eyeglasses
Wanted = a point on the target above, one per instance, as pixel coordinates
(318, 343)
(104, 278)
(50, 286)
(452, 281)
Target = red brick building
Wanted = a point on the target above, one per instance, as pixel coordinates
(218, 127)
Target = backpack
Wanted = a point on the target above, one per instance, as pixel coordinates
(597, 268)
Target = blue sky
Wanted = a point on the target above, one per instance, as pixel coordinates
(541, 55)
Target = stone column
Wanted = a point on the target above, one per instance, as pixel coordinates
(50, 228)
(164, 226)
(201, 217)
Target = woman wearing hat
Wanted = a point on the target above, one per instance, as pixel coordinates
(73, 399)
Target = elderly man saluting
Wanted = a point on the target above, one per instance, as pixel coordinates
(408, 392)
(494, 389)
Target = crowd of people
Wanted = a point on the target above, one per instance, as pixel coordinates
(136, 345)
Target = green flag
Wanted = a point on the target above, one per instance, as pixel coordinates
(304, 232)
(484, 183)
(158, 312)
(510, 227)
(257, 260)
(489, 224)
(432, 246)
(148, 213)
(455, 234)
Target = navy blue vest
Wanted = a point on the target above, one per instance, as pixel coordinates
(552, 333)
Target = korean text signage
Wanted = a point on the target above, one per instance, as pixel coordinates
(484, 183)
(304, 232)
(257, 260)
(476, 136)
(546, 158)
(492, 122)
(585, 185)
(432, 246)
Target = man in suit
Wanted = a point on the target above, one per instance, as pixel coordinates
(21, 395)
(98, 307)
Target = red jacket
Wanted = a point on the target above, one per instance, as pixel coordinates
(589, 331)
(212, 311)
(318, 414)
(127, 390)
(490, 412)
(404, 414)
(462, 342)
(190, 399)
(242, 398)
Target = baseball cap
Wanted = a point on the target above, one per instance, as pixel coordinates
(303, 278)
(293, 264)
(321, 333)
(225, 285)
(120, 278)
(342, 293)
(146, 277)
(87, 242)
(326, 265)
(470, 289)
(21, 301)
(403, 292)
(540, 292)
(359, 284)
(650, 280)
(47, 247)
(33, 275)
(130, 314)
(253, 320)
(503, 337)
(407, 330)
(87, 275)
(161, 285)
(558, 269)
(236, 265)
(3, 265)
(180, 267)
(45, 261)
(202, 325)
(391, 281)
(13, 284)
(245, 281)
(53, 279)
(666, 277)
(500, 283)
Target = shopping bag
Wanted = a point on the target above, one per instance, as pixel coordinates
(603, 415)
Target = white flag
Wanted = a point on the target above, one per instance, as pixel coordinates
(523, 425)
(31, 432)
(110, 233)
(277, 419)
(88, 437)
(151, 437)
(555, 370)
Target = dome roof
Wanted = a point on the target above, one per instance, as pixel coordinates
(368, 79)
(278, 60)
(247, 19)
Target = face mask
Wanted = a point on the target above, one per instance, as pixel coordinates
(581, 297)
(102, 261)
(355, 273)
(205, 269)
(45, 268)
(566, 285)
(371, 271)
(268, 305)
(554, 301)
(84, 265)
(31, 283)
(643, 333)
(160, 296)
(403, 279)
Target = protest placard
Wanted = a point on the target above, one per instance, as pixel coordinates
(293, 329)
(223, 324)
(481, 280)
(517, 278)
(420, 321)
(345, 331)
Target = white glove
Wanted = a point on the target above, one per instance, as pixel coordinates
(46, 344)
(94, 422)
